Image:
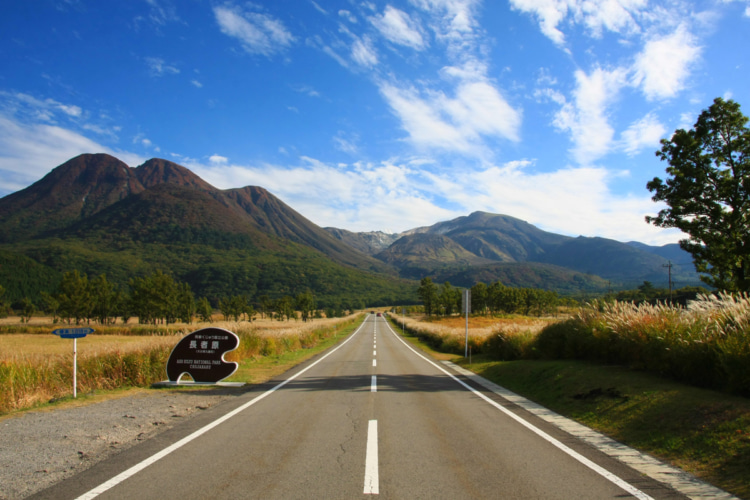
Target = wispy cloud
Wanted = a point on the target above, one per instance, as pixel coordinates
(399, 28)
(586, 116)
(617, 16)
(158, 67)
(346, 142)
(258, 33)
(644, 133)
(29, 149)
(363, 52)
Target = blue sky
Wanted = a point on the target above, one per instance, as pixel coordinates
(370, 115)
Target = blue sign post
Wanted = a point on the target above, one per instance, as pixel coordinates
(75, 334)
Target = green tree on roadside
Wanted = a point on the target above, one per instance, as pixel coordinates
(50, 305)
(204, 310)
(27, 310)
(708, 194)
(4, 308)
(185, 303)
(105, 299)
(75, 297)
(428, 292)
(306, 304)
(479, 298)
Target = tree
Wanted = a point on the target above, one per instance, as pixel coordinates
(204, 310)
(708, 194)
(27, 310)
(306, 304)
(4, 308)
(428, 292)
(75, 297)
(449, 298)
(105, 299)
(479, 298)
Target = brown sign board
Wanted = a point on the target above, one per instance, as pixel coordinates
(201, 355)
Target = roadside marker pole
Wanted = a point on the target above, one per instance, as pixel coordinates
(466, 296)
(75, 334)
(75, 366)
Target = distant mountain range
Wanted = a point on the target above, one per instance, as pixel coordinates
(490, 245)
(96, 214)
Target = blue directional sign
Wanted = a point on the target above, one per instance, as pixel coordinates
(72, 333)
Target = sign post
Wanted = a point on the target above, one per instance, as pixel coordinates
(75, 334)
(466, 303)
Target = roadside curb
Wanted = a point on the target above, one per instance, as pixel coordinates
(675, 478)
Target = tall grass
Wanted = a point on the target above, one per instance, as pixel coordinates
(503, 340)
(706, 344)
(26, 381)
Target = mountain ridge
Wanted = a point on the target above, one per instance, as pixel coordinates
(93, 206)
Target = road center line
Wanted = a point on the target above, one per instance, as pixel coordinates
(182, 442)
(371, 460)
(374, 362)
(569, 451)
(374, 384)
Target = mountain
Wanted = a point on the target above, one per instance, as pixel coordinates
(429, 250)
(369, 243)
(482, 240)
(76, 189)
(98, 215)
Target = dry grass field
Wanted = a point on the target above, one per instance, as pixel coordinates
(36, 366)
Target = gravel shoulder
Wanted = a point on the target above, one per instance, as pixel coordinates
(41, 448)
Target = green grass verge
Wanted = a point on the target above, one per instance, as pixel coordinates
(704, 432)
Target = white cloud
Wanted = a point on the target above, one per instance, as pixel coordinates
(457, 123)
(363, 53)
(401, 196)
(644, 133)
(586, 118)
(396, 26)
(663, 67)
(348, 16)
(258, 33)
(617, 16)
(29, 151)
(158, 67)
(346, 142)
(549, 14)
(196, 83)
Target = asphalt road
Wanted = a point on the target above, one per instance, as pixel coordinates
(369, 417)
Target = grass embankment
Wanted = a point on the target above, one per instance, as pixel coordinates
(704, 432)
(36, 369)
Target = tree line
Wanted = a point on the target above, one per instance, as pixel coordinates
(157, 299)
(496, 298)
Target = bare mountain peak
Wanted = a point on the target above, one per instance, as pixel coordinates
(159, 171)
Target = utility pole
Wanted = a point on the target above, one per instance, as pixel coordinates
(669, 266)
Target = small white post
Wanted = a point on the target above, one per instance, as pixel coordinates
(75, 365)
(467, 308)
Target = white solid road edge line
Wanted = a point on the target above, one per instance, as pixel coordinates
(673, 477)
(685, 483)
(569, 451)
(372, 486)
(182, 442)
